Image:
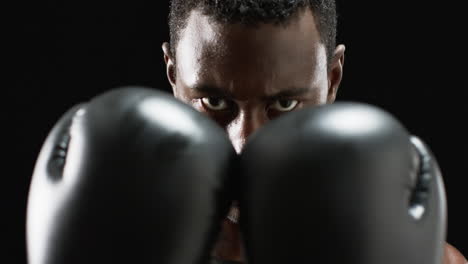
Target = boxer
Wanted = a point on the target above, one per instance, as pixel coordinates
(242, 63)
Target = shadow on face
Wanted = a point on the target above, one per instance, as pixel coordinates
(243, 76)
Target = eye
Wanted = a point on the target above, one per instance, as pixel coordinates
(214, 103)
(284, 105)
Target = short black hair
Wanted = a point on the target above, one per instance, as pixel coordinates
(252, 12)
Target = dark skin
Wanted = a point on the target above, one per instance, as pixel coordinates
(243, 77)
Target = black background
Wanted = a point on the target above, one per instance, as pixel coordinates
(406, 58)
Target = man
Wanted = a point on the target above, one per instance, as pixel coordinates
(244, 63)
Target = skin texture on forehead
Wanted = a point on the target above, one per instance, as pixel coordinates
(251, 61)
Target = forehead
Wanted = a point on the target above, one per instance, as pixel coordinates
(228, 53)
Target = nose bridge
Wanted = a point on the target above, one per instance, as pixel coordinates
(248, 120)
(252, 120)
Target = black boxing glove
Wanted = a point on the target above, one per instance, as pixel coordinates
(341, 183)
(133, 176)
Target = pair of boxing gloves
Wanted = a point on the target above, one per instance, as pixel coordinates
(135, 176)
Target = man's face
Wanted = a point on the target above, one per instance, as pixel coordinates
(242, 76)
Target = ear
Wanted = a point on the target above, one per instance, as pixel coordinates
(170, 65)
(335, 73)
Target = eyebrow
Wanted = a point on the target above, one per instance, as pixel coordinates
(207, 89)
(289, 92)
